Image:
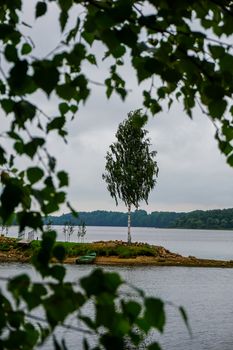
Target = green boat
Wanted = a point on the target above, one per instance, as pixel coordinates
(86, 259)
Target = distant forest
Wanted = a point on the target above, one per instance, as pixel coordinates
(198, 219)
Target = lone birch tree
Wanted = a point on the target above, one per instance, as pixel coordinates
(131, 169)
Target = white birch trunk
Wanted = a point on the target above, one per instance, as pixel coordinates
(129, 224)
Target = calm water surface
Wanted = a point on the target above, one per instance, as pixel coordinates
(207, 295)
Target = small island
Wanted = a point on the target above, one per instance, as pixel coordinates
(108, 253)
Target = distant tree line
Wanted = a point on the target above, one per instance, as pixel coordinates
(198, 219)
(210, 219)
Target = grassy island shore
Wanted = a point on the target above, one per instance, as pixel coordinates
(108, 253)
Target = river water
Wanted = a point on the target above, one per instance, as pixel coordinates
(206, 293)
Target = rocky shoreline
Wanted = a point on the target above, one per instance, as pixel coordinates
(13, 251)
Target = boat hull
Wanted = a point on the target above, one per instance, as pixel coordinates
(86, 259)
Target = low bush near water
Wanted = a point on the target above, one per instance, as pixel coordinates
(7, 244)
(5, 247)
(107, 249)
(111, 248)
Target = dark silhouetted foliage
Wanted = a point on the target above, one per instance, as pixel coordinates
(190, 63)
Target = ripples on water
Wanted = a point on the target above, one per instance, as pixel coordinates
(206, 293)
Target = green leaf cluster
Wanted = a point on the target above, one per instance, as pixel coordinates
(193, 66)
(116, 322)
(131, 169)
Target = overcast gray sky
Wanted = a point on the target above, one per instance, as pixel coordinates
(192, 172)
